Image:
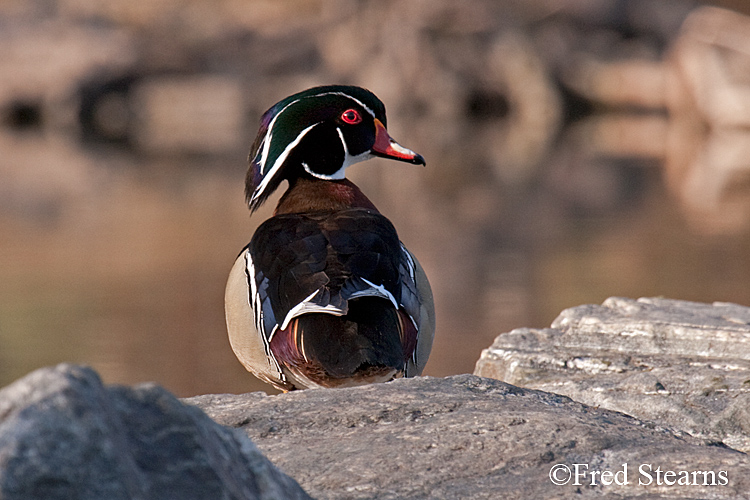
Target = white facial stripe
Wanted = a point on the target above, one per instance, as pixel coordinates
(350, 97)
(266, 147)
(341, 94)
(270, 126)
(269, 136)
(280, 161)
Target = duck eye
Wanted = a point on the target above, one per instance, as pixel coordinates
(351, 116)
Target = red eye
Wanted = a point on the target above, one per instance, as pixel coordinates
(351, 116)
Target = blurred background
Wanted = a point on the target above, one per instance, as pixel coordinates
(576, 150)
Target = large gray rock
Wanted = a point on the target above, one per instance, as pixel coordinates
(681, 364)
(468, 437)
(64, 435)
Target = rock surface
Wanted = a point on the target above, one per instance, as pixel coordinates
(681, 367)
(685, 365)
(466, 437)
(64, 435)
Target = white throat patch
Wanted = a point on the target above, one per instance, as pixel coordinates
(349, 160)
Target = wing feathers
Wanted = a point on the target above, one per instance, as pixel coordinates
(315, 302)
(316, 263)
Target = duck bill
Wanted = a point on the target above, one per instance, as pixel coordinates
(386, 147)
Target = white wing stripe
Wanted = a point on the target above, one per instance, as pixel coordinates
(380, 292)
(306, 306)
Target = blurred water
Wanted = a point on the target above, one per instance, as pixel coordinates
(121, 188)
(128, 274)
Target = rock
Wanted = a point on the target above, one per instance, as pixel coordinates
(197, 114)
(710, 58)
(709, 109)
(467, 437)
(44, 62)
(638, 83)
(685, 365)
(64, 435)
(534, 107)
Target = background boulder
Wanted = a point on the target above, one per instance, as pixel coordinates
(682, 364)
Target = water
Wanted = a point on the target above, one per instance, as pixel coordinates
(120, 263)
(574, 152)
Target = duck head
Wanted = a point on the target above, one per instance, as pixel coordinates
(318, 133)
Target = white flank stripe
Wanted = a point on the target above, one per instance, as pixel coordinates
(254, 298)
(257, 308)
(410, 263)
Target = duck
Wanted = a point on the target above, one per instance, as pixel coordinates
(325, 294)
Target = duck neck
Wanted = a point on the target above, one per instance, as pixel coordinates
(316, 195)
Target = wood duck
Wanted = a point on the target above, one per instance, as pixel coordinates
(325, 294)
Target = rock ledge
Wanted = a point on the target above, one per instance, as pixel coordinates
(462, 437)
